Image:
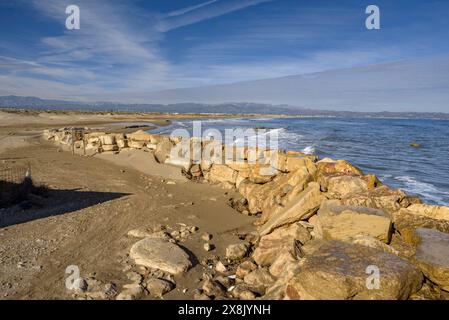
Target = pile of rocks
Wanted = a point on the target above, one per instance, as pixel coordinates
(327, 230)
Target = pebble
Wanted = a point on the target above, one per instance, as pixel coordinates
(208, 247)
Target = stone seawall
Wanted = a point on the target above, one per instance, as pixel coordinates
(326, 229)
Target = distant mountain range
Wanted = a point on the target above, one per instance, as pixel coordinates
(17, 102)
(420, 85)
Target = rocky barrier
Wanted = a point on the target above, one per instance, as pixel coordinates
(326, 230)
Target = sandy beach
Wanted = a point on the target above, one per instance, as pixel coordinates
(94, 202)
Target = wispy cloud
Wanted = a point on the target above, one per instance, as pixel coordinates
(202, 12)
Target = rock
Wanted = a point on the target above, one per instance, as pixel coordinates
(163, 151)
(339, 271)
(220, 267)
(337, 222)
(131, 293)
(282, 263)
(372, 242)
(208, 247)
(301, 208)
(269, 198)
(158, 287)
(406, 221)
(237, 251)
(213, 288)
(281, 240)
(259, 278)
(342, 186)
(434, 212)
(206, 236)
(432, 255)
(430, 292)
(242, 292)
(107, 147)
(160, 254)
(195, 170)
(134, 277)
(328, 166)
(382, 198)
(136, 144)
(244, 268)
(107, 139)
(221, 173)
(139, 135)
(110, 290)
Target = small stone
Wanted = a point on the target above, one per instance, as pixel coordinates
(206, 236)
(244, 268)
(220, 267)
(159, 287)
(237, 251)
(213, 288)
(134, 277)
(131, 293)
(208, 247)
(110, 290)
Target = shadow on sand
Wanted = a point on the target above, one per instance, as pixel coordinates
(53, 202)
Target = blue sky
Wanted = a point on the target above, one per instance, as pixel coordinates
(126, 47)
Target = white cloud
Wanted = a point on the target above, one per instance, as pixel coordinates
(208, 10)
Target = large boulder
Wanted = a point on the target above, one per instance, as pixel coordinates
(280, 241)
(382, 197)
(337, 222)
(406, 221)
(270, 197)
(302, 207)
(163, 151)
(432, 255)
(434, 212)
(220, 173)
(288, 162)
(342, 186)
(139, 135)
(160, 254)
(340, 271)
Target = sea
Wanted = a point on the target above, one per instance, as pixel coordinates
(378, 146)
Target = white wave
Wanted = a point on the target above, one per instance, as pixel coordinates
(309, 150)
(426, 190)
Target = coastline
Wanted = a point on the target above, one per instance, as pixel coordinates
(306, 174)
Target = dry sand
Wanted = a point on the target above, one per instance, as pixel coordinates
(93, 203)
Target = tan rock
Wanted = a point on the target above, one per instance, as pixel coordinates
(340, 271)
(158, 287)
(139, 135)
(432, 255)
(237, 251)
(382, 198)
(280, 241)
(301, 208)
(160, 254)
(221, 173)
(282, 263)
(270, 197)
(343, 186)
(434, 212)
(259, 278)
(163, 151)
(107, 139)
(337, 222)
(136, 144)
(244, 268)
